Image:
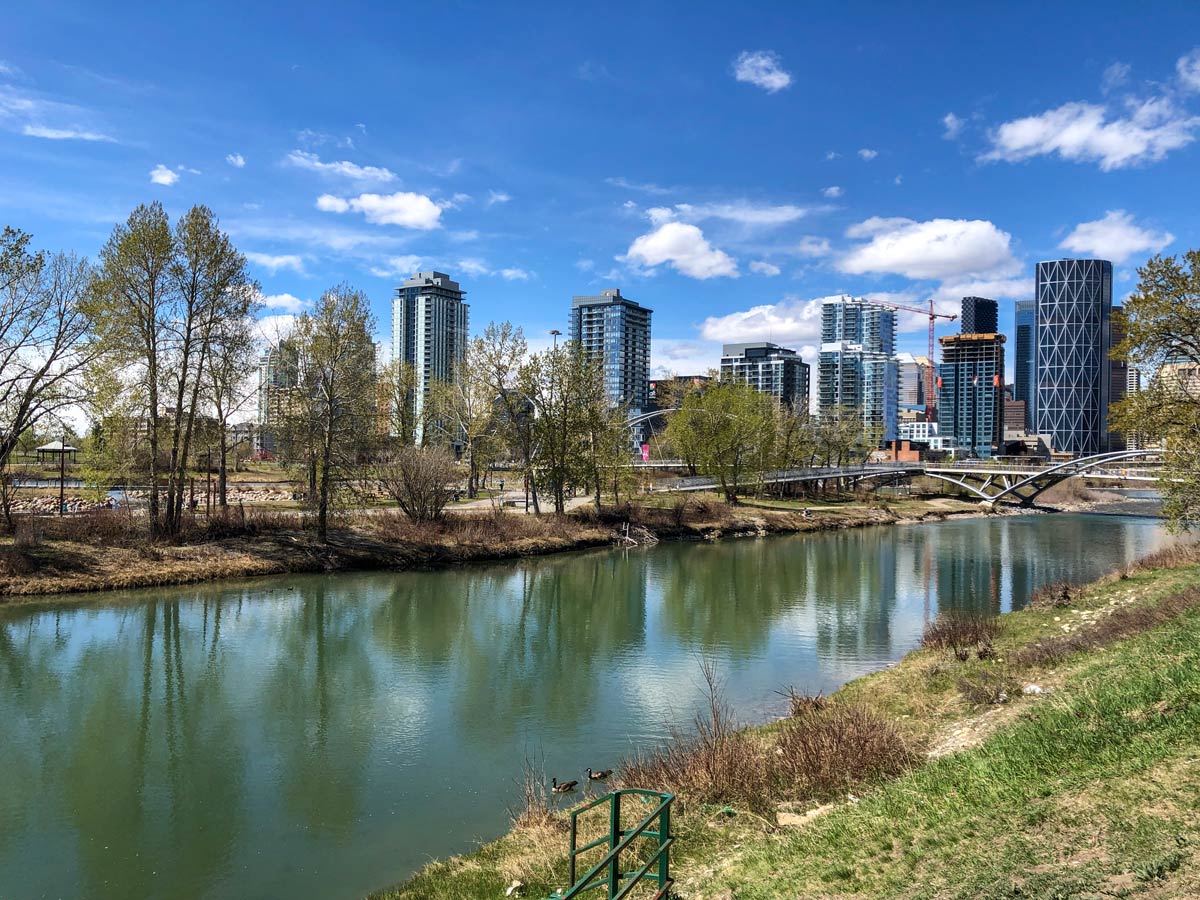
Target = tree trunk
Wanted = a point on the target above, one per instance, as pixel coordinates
(221, 471)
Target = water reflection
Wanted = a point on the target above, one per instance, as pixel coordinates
(323, 736)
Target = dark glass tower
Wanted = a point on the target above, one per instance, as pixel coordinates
(979, 316)
(1023, 380)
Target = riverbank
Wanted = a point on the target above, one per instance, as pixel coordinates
(1052, 752)
(103, 551)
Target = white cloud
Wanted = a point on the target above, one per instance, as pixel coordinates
(495, 197)
(833, 191)
(813, 246)
(1115, 237)
(273, 263)
(790, 321)
(947, 297)
(7, 69)
(272, 329)
(65, 134)
(685, 248)
(469, 234)
(674, 356)
(310, 138)
(330, 203)
(289, 303)
(953, 125)
(1084, 132)
(867, 153)
(160, 174)
(302, 159)
(514, 274)
(397, 267)
(899, 179)
(762, 267)
(1115, 76)
(585, 265)
(763, 69)
(939, 248)
(831, 155)
(236, 160)
(1188, 69)
(403, 208)
(472, 266)
(741, 211)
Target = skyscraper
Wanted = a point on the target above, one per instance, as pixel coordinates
(979, 316)
(1071, 365)
(911, 381)
(1025, 330)
(971, 392)
(769, 368)
(429, 331)
(616, 330)
(856, 367)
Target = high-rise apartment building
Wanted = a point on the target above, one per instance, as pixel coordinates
(271, 397)
(616, 330)
(1071, 364)
(769, 368)
(429, 332)
(1025, 334)
(856, 367)
(979, 316)
(971, 393)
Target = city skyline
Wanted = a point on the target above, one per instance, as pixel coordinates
(319, 181)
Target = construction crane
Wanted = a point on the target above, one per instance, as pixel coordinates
(930, 378)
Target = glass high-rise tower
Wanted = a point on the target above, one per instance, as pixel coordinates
(1071, 364)
(617, 330)
(857, 368)
(429, 331)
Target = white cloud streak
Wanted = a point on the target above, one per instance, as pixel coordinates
(302, 159)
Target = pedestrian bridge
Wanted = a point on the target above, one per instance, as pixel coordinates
(991, 482)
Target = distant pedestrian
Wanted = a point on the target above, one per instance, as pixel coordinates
(502, 485)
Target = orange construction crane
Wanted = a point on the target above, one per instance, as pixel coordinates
(930, 378)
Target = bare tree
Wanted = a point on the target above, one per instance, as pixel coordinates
(506, 372)
(228, 388)
(464, 413)
(45, 341)
(420, 479)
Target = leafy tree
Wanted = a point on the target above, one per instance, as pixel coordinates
(730, 427)
(162, 301)
(330, 411)
(1162, 338)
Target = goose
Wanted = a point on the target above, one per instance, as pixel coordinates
(602, 775)
(565, 788)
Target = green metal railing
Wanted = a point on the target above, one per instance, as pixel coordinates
(607, 872)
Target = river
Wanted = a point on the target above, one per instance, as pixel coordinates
(323, 736)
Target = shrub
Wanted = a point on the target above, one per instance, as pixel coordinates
(825, 752)
(718, 764)
(801, 704)
(15, 562)
(960, 632)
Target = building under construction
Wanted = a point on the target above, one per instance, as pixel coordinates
(971, 393)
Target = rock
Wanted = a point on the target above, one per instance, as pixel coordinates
(514, 889)
(1033, 689)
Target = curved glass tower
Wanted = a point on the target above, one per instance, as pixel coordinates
(1071, 365)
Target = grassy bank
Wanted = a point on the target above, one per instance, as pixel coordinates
(106, 550)
(1052, 753)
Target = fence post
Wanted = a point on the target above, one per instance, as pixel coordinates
(664, 833)
(614, 835)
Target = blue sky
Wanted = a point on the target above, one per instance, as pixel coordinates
(724, 164)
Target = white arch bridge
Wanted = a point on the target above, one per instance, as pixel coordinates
(991, 483)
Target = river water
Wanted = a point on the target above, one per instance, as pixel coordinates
(323, 736)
